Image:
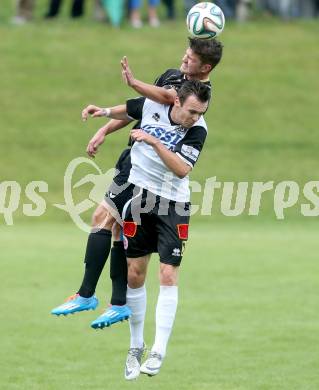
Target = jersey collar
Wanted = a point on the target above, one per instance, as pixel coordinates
(202, 81)
(170, 116)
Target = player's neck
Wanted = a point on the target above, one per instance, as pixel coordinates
(173, 116)
(202, 78)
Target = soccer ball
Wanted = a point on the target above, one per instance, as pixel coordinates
(205, 20)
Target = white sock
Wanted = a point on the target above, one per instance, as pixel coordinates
(165, 316)
(136, 301)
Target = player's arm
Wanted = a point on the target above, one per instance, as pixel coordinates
(120, 120)
(116, 112)
(158, 94)
(99, 137)
(173, 162)
(186, 152)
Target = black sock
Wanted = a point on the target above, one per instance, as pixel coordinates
(97, 252)
(118, 273)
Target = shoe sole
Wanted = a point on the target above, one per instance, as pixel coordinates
(149, 374)
(132, 379)
(72, 312)
(103, 325)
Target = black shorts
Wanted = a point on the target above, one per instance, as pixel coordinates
(123, 167)
(117, 196)
(120, 191)
(161, 227)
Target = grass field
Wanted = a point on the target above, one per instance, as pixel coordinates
(247, 317)
(263, 122)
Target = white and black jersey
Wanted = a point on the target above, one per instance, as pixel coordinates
(172, 78)
(148, 170)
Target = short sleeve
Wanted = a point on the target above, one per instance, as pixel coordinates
(189, 148)
(134, 107)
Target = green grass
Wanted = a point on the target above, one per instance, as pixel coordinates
(246, 317)
(252, 283)
(262, 124)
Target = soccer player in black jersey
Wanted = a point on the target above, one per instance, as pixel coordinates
(201, 57)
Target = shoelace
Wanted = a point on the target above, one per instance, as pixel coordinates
(153, 358)
(136, 353)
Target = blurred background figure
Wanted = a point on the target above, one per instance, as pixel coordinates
(309, 8)
(24, 11)
(290, 8)
(135, 13)
(114, 10)
(98, 11)
(228, 7)
(170, 9)
(188, 5)
(55, 5)
(243, 10)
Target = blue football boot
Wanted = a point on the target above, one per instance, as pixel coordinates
(76, 303)
(112, 315)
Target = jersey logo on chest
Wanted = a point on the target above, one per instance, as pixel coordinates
(167, 137)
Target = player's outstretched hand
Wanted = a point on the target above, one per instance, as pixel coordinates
(127, 74)
(140, 135)
(92, 110)
(95, 142)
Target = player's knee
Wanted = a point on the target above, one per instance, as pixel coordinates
(168, 275)
(135, 276)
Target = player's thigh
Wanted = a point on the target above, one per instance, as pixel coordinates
(102, 217)
(117, 197)
(172, 229)
(116, 231)
(140, 238)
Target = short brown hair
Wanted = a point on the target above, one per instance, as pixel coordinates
(209, 51)
(196, 88)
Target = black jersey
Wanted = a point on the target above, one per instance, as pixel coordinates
(174, 78)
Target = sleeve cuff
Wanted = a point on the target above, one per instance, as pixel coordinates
(185, 160)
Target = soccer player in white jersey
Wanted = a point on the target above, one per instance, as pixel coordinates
(201, 57)
(156, 218)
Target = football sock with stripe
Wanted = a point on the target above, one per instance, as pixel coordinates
(118, 273)
(165, 316)
(136, 300)
(97, 252)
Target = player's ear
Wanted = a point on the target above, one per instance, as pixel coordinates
(177, 102)
(206, 68)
